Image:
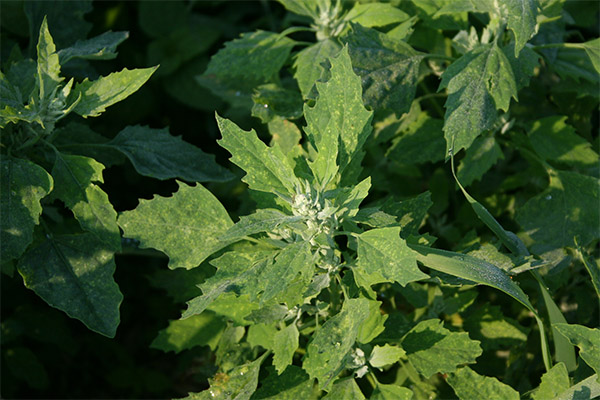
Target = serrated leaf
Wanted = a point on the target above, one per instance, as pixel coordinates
(391, 392)
(307, 63)
(251, 60)
(521, 19)
(23, 185)
(338, 125)
(48, 67)
(431, 348)
(478, 83)
(74, 273)
(200, 330)
(239, 383)
(375, 14)
(588, 388)
(479, 158)
(586, 339)
(156, 153)
(263, 220)
(292, 384)
(185, 226)
(346, 389)
(554, 382)
(267, 169)
(285, 343)
(101, 47)
(553, 139)
(75, 178)
(97, 95)
(566, 209)
(468, 384)
(524, 65)
(385, 355)
(493, 329)
(388, 68)
(236, 272)
(330, 344)
(382, 251)
(349, 199)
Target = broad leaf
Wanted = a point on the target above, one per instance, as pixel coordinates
(331, 342)
(422, 141)
(478, 83)
(285, 343)
(346, 389)
(521, 19)
(338, 125)
(75, 178)
(468, 384)
(200, 330)
(307, 63)
(185, 226)
(588, 388)
(97, 95)
(23, 185)
(267, 169)
(479, 158)
(375, 14)
(586, 339)
(391, 392)
(101, 47)
(383, 252)
(292, 384)
(388, 68)
(385, 355)
(592, 48)
(493, 329)
(410, 212)
(431, 348)
(566, 209)
(74, 273)
(554, 382)
(156, 153)
(263, 220)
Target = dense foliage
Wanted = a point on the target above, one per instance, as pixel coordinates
(404, 200)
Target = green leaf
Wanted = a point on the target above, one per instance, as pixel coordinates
(574, 62)
(391, 392)
(382, 251)
(185, 226)
(23, 185)
(588, 388)
(349, 199)
(75, 178)
(521, 19)
(586, 339)
(308, 63)
(268, 314)
(375, 14)
(431, 348)
(566, 209)
(524, 65)
(346, 389)
(200, 330)
(373, 325)
(261, 335)
(493, 329)
(592, 48)
(338, 125)
(272, 101)
(285, 343)
(48, 67)
(156, 153)
(592, 268)
(267, 169)
(239, 383)
(108, 90)
(479, 158)
(385, 355)
(101, 47)
(25, 365)
(410, 212)
(253, 59)
(292, 384)
(74, 273)
(332, 342)
(389, 68)
(284, 134)
(263, 220)
(468, 385)
(553, 139)
(554, 382)
(237, 272)
(478, 83)
(422, 141)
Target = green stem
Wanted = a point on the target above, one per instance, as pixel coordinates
(372, 380)
(559, 45)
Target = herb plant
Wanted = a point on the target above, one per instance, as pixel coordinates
(417, 215)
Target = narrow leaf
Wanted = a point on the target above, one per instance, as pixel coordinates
(48, 67)
(185, 226)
